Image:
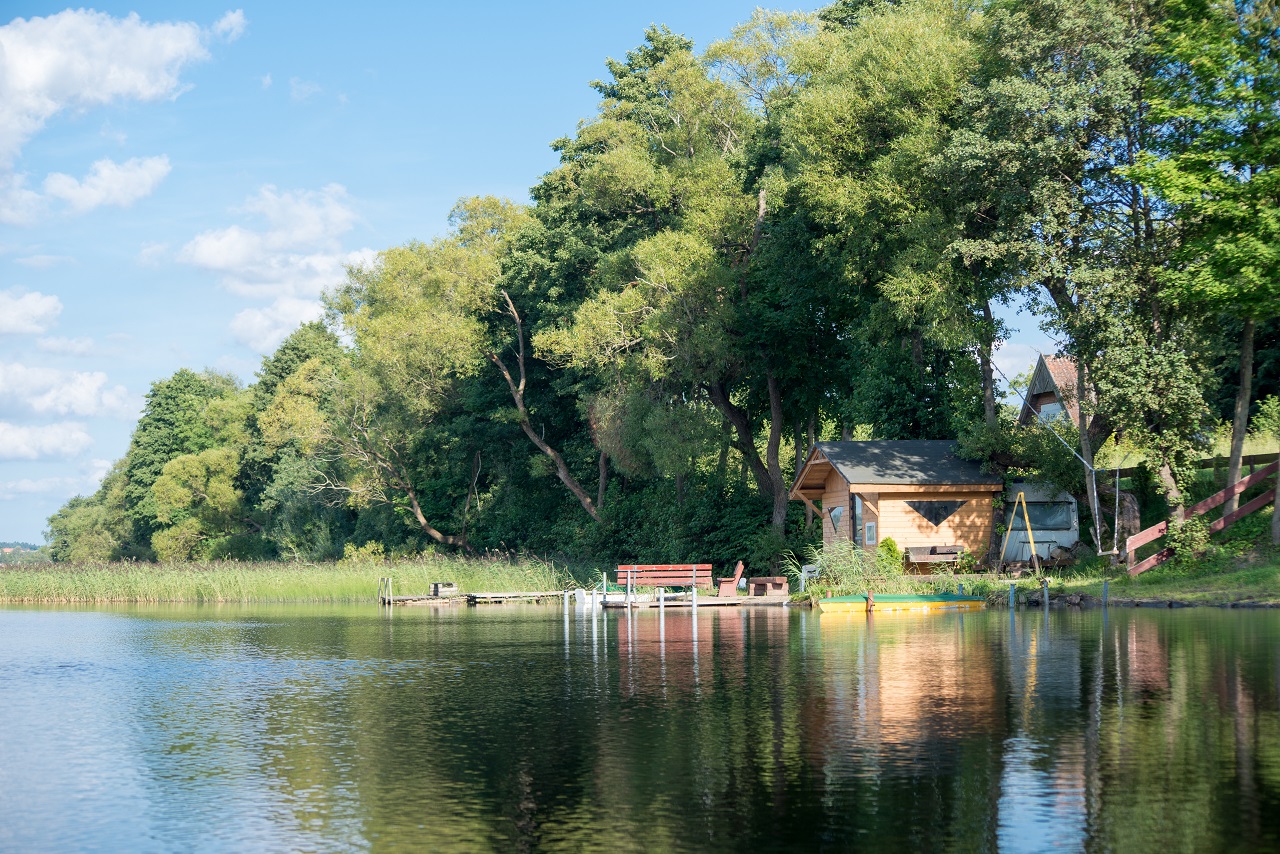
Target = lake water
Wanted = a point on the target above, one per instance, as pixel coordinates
(515, 729)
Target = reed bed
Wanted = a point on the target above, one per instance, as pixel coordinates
(233, 581)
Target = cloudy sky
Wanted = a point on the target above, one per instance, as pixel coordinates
(178, 192)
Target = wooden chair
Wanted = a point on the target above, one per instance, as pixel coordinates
(729, 586)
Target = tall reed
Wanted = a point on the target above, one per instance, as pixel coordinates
(232, 581)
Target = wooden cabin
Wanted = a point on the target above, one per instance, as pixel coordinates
(1052, 391)
(918, 492)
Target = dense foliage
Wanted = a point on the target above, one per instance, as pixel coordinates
(800, 234)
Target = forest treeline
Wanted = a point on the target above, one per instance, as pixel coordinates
(800, 234)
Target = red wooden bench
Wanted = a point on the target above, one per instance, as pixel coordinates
(665, 575)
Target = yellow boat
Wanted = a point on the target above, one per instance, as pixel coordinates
(901, 602)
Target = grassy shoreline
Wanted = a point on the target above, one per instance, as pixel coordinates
(231, 581)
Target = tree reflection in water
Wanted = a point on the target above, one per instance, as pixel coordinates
(532, 729)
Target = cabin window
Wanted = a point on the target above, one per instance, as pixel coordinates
(1050, 411)
(857, 520)
(871, 533)
(1047, 516)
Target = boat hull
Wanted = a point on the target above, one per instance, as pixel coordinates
(888, 602)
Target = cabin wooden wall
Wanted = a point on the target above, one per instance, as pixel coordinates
(836, 494)
(970, 526)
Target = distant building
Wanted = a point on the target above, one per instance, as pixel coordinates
(918, 492)
(1052, 391)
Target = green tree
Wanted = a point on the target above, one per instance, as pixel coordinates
(1218, 95)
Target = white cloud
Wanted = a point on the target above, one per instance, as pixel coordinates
(12, 489)
(18, 205)
(151, 254)
(86, 482)
(49, 391)
(230, 26)
(41, 262)
(79, 59)
(63, 439)
(291, 261)
(65, 346)
(301, 90)
(27, 312)
(109, 183)
(266, 81)
(263, 329)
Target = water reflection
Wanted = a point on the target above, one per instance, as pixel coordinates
(545, 729)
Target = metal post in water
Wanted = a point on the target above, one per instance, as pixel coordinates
(1044, 592)
(1105, 583)
(1013, 596)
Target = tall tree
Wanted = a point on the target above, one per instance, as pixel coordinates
(1218, 96)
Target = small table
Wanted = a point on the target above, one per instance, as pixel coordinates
(767, 585)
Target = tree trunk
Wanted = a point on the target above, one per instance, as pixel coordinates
(444, 539)
(1086, 453)
(746, 442)
(767, 473)
(1240, 423)
(800, 457)
(985, 348)
(517, 394)
(1172, 491)
(603, 485)
(777, 483)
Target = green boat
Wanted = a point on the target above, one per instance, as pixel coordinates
(901, 602)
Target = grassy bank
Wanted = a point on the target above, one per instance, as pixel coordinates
(1239, 565)
(346, 581)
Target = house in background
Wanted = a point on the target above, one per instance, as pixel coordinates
(1052, 391)
(918, 492)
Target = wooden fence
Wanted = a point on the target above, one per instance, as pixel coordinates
(1155, 532)
(1211, 463)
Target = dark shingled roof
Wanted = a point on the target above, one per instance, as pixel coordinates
(926, 462)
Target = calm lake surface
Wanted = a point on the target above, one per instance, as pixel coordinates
(507, 728)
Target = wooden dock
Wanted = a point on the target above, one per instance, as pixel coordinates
(467, 599)
(705, 602)
(422, 600)
(504, 598)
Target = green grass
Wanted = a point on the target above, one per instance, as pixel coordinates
(231, 581)
(1240, 565)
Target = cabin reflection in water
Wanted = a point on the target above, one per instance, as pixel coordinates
(1028, 731)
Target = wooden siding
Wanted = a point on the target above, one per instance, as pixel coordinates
(836, 494)
(970, 526)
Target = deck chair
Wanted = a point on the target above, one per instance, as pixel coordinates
(729, 586)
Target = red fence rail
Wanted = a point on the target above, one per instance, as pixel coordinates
(1155, 532)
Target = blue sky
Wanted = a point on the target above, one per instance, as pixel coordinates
(176, 192)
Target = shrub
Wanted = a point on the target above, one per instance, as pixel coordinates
(888, 558)
(1189, 538)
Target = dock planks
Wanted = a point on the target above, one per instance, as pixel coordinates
(468, 598)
